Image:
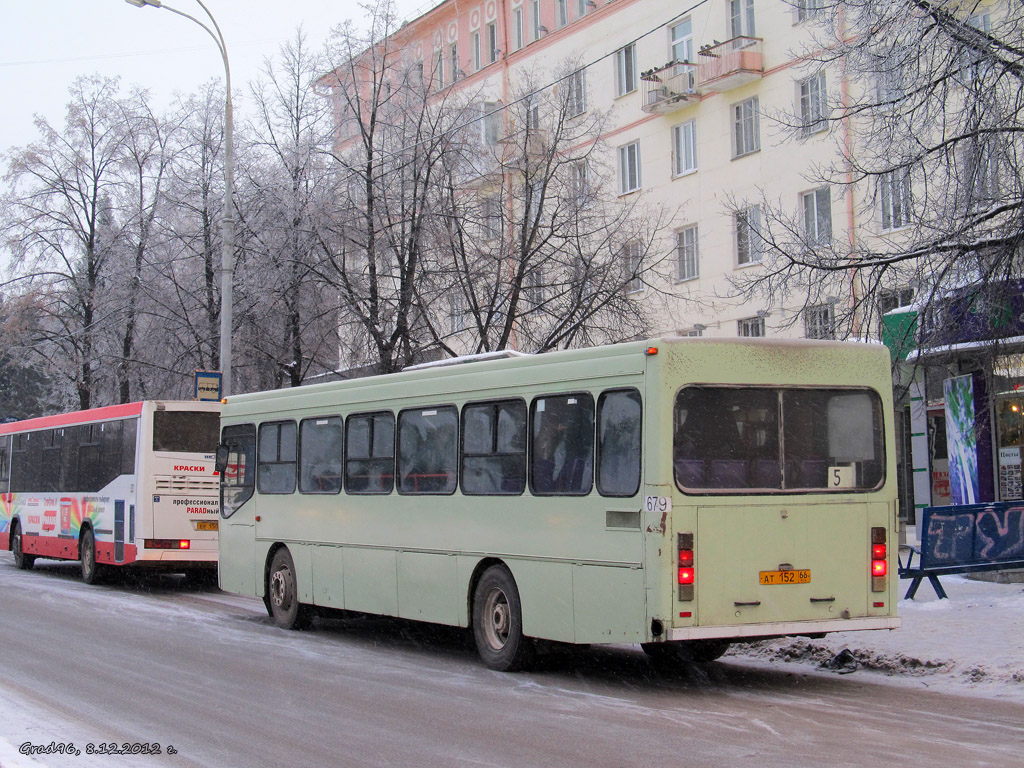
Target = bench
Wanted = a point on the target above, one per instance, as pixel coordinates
(967, 538)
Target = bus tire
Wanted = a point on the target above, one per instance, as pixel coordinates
(283, 593)
(91, 570)
(21, 560)
(498, 622)
(676, 651)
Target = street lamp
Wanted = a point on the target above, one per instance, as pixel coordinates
(228, 225)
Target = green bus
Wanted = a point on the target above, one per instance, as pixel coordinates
(679, 493)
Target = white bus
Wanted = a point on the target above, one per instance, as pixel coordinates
(126, 485)
(683, 494)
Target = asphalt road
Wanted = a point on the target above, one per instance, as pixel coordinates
(158, 660)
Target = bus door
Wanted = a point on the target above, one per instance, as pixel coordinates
(236, 462)
(780, 478)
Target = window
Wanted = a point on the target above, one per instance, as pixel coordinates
(490, 218)
(494, 448)
(49, 475)
(275, 456)
(453, 62)
(978, 174)
(817, 205)
(813, 104)
(562, 445)
(749, 242)
(561, 12)
(682, 41)
(535, 287)
(581, 8)
(456, 312)
(890, 300)
(632, 258)
(687, 262)
(751, 327)
(518, 31)
(778, 439)
(320, 455)
(490, 122)
(625, 70)
(806, 9)
(741, 18)
(684, 148)
(477, 50)
(535, 19)
(440, 70)
(5, 463)
(576, 93)
(618, 443)
(629, 168)
(578, 181)
(531, 105)
(491, 31)
(894, 193)
(889, 83)
(428, 450)
(746, 136)
(370, 452)
(820, 322)
(185, 431)
(237, 482)
(975, 61)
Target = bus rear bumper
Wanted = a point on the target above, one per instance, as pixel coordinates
(784, 628)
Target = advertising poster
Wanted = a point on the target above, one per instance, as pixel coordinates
(961, 442)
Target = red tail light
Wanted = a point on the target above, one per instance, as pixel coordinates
(686, 573)
(184, 544)
(167, 544)
(879, 560)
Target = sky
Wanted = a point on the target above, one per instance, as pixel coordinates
(46, 44)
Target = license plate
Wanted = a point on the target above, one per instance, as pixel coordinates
(769, 578)
(211, 525)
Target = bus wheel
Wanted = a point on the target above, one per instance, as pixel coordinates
(87, 557)
(672, 652)
(498, 622)
(285, 607)
(21, 560)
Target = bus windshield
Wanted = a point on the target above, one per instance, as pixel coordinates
(186, 431)
(792, 439)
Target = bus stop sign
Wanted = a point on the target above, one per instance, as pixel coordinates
(208, 385)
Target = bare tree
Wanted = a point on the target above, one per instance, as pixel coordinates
(294, 322)
(534, 251)
(928, 154)
(60, 226)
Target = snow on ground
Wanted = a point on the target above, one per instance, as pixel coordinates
(971, 643)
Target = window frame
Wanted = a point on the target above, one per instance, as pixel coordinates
(302, 463)
(463, 455)
(371, 457)
(813, 216)
(746, 127)
(692, 259)
(684, 143)
(279, 423)
(891, 204)
(749, 249)
(629, 167)
(812, 100)
(531, 442)
(626, 80)
(598, 443)
(398, 450)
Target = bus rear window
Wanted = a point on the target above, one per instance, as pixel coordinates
(792, 439)
(186, 431)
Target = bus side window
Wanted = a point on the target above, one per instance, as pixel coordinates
(370, 452)
(237, 483)
(320, 455)
(128, 435)
(562, 445)
(428, 449)
(494, 448)
(26, 462)
(618, 448)
(5, 463)
(275, 457)
(49, 474)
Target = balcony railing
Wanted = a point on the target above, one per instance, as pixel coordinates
(669, 86)
(728, 65)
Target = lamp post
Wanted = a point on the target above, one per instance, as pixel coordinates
(227, 267)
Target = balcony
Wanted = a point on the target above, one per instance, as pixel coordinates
(729, 65)
(669, 87)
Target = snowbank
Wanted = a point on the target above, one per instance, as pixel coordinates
(972, 643)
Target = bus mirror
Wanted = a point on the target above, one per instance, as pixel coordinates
(223, 451)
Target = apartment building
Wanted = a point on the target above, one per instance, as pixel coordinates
(710, 114)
